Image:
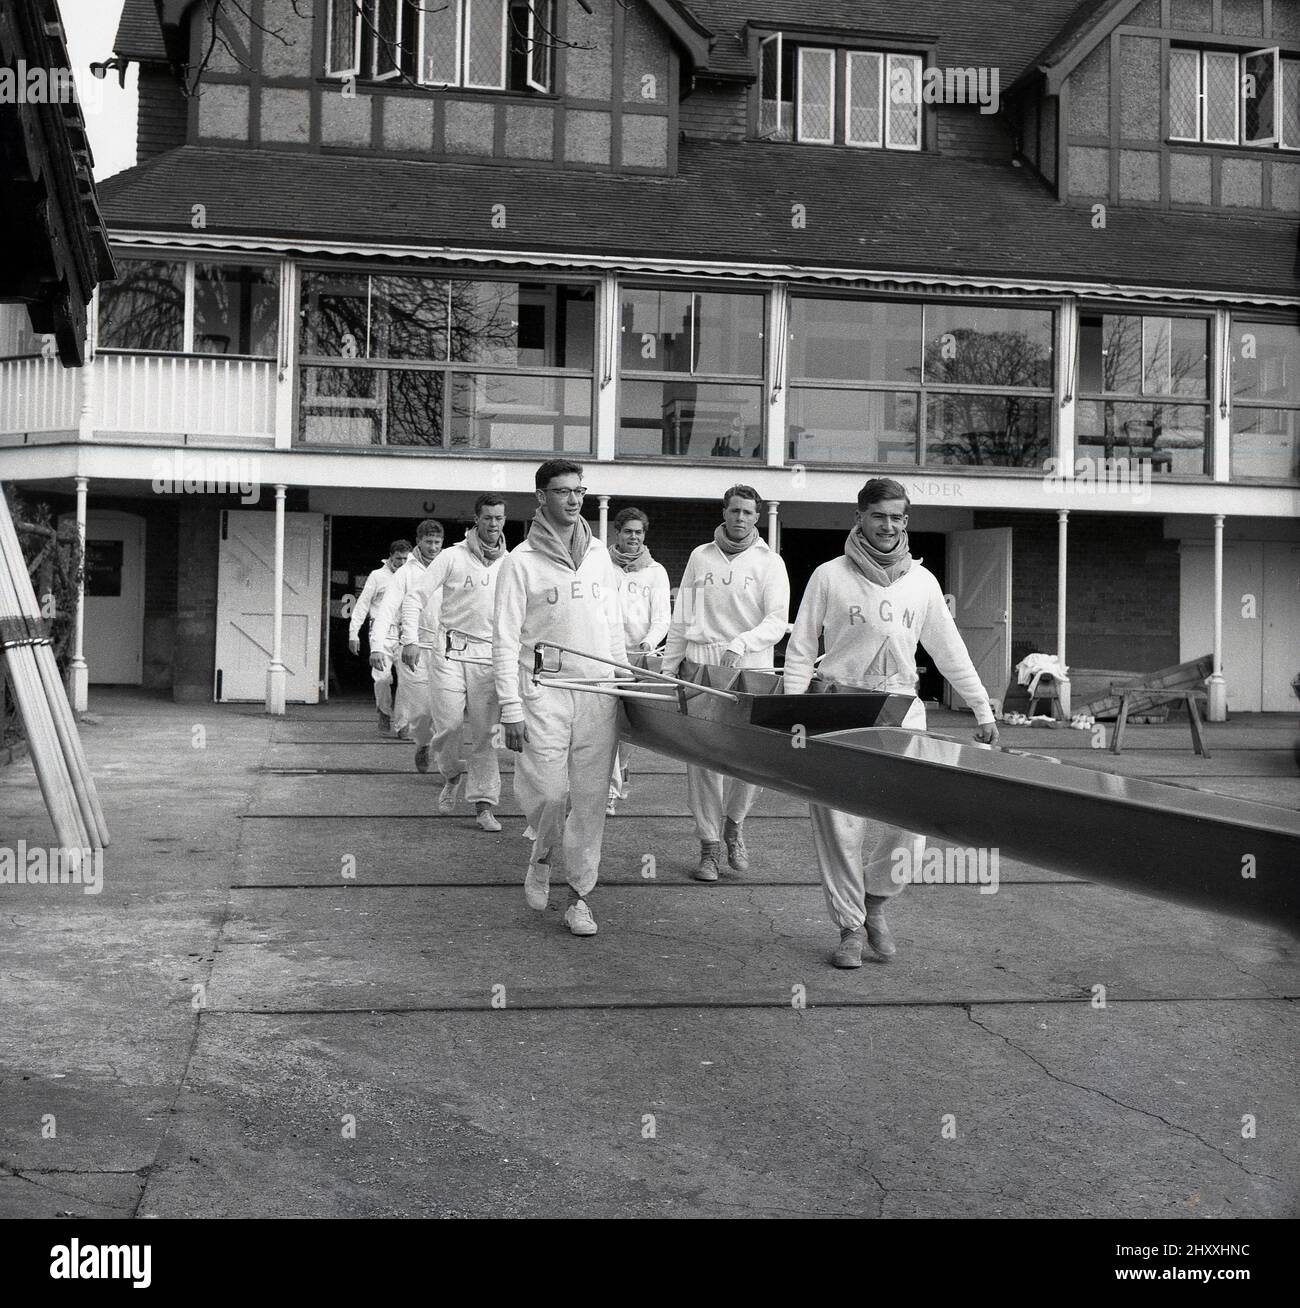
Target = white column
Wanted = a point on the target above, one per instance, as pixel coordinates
(277, 675)
(773, 524)
(604, 518)
(78, 671)
(1217, 686)
(1062, 554)
(778, 337)
(607, 353)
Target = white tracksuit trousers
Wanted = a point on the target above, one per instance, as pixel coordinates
(411, 704)
(566, 763)
(383, 680)
(838, 839)
(463, 701)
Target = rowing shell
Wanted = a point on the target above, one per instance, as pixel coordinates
(848, 752)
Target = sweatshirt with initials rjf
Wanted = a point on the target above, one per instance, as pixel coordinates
(871, 633)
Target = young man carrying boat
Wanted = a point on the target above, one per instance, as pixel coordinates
(385, 642)
(732, 608)
(871, 606)
(645, 596)
(456, 592)
(559, 587)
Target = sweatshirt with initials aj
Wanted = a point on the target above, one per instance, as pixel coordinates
(538, 599)
(738, 602)
(454, 593)
(871, 633)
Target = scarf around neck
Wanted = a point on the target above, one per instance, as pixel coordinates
(546, 540)
(733, 547)
(880, 566)
(486, 554)
(637, 562)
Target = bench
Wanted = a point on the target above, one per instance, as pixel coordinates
(1189, 694)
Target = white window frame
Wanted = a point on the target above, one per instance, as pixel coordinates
(1200, 89)
(353, 69)
(538, 42)
(849, 57)
(892, 60)
(456, 8)
(378, 51)
(799, 133)
(1276, 54)
(1206, 138)
(467, 41)
(774, 134)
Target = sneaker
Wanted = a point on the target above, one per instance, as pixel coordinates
(385, 722)
(849, 953)
(578, 918)
(537, 885)
(422, 759)
(737, 854)
(710, 851)
(486, 820)
(447, 795)
(529, 834)
(405, 734)
(879, 937)
(611, 809)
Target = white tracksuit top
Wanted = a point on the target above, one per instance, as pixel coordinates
(390, 611)
(368, 602)
(538, 599)
(645, 596)
(871, 634)
(454, 593)
(738, 602)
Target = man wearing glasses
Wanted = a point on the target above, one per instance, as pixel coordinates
(559, 587)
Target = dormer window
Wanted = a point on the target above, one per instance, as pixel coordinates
(479, 45)
(822, 95)
(1220, 97)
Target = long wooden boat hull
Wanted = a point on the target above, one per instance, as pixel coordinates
(848, 752)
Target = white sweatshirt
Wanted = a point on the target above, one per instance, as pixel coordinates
(645, 596)
(871, 634)
(368, 602)
(390, 610)
(538, 599)
(735, 602)
(454, 593)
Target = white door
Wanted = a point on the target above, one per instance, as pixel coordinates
(245, 590)
(979, 580)
(1280, 619)
(1243, 603)
(114, 640)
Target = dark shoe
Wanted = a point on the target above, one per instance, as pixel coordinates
(879, 936)
(710, 852)
(385, 722)
(849, 953)
(422, 759)
(737, 854)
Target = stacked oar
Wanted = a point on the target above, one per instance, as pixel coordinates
(61, 769)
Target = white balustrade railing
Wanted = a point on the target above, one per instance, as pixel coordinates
(38, 394)
(192, 396)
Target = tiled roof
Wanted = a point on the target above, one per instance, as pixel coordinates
(730, 202)
(1077, 30)
(138, 34)
(1005, 34)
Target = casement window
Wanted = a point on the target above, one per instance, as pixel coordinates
(480, 45)
(1144, 390)
(183, 306)
(1265, 435)
(909, 383)
(1220, 97)
(819, 95)
(448, 363)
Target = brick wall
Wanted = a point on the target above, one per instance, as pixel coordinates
(1122, 589)
(675, 529)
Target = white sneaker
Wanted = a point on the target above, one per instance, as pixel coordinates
(537, 885)
(578, 918)
(487, 822)
(610, 809)
(529, 833)
(447, 795)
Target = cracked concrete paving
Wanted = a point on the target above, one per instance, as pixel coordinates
(344, 1056)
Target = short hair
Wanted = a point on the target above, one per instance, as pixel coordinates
(745, 493)
(553, 468)
(490, 499)
(399, 547)
(624, 516)
(881, 488)
(429, 527)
